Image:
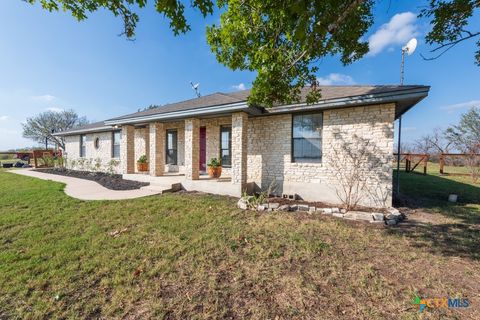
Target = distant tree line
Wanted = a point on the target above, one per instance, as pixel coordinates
(463, 138)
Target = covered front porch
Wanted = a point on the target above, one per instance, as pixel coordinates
(179, 150)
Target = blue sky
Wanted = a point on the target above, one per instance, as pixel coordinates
(51, 61)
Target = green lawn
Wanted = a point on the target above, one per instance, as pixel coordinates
(187, 256)
(431, 192)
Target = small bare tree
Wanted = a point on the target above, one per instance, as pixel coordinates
(466, 137)
(42, 126)
(433, 144)
(473, 163)
(352, 162)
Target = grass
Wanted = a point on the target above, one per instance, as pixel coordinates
(431, 191)
(194, 256)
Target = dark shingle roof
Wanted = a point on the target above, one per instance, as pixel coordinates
(95, 126)
(216, 99)
(219, 99)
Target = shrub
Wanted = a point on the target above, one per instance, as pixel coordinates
(142, 159)
(214, 163)
(97, 165)
(60, 162)
(73, 164)
(81, 164)
(48, 160)
(112, 164)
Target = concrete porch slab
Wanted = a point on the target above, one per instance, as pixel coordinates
(222, 186)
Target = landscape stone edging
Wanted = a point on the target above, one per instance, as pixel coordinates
(392, 217)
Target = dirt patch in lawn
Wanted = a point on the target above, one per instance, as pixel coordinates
(109, 181)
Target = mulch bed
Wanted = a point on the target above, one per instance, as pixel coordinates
(109, 181)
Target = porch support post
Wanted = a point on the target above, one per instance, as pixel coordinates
(127, 149)
(157, 149)
(192, 149)
(239, 149)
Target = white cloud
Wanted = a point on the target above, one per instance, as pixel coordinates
(397, 31)
(44, 98)
(3, 118)
(409, 128)
(240, 86)
(462, 105)
(335, 79)
(55, 109)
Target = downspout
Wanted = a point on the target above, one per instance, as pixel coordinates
(398, 153)
(400, 124)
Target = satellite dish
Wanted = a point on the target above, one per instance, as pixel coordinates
(195, 87)
(410, 47)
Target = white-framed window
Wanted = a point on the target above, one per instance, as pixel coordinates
(171, 147)
(226, 146)
(83, 145)
(116, 138)
(307, 137)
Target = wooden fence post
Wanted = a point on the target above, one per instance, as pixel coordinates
(425, 162)
(35, 159)
(442, 163)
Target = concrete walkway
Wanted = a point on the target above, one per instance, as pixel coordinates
(87, 190)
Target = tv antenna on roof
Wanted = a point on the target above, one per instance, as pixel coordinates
(196, 88)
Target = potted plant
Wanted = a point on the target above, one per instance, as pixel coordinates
(214, 168)
(142, 163)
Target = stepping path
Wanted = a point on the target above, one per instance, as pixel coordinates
(87, 190)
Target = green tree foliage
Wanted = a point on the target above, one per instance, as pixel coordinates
(450, 24)
(283, 40)
(39, 127)
(466, 135)
(174, 10)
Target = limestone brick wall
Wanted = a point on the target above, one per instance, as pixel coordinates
(141, 143)
(157, 149)
(96, 159)
(239, 148)
(72, 147)
(192, 141)
(127, 151)
(213, 138)
(270, 159)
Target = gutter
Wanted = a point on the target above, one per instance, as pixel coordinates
(376, 98)
(80, 131)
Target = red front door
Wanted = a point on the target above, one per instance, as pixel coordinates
(203, 148)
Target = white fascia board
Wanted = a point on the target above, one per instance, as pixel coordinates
(81, 131)
(354, 101)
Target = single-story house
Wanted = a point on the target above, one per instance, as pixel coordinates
(308, 150)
